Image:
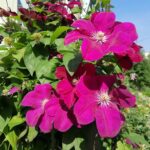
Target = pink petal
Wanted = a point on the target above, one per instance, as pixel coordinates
(106, 82)
(85, 26)
(108, 121)
(14, 90)
(62, 122)
(66, 92)
(103, 21)
(32, 116)
(73, 36)
(64, 86)
(85, 108)
(123, 97)
(61, 72)
(44, 90)
(46, 123)
(127, 28)
(87, 85)
(119, 42)
(32, 99)
(92, 50)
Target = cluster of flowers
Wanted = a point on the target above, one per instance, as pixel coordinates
(88, 96)
(59, 8)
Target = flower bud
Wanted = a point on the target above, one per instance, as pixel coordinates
(37, 37)
(8, 41)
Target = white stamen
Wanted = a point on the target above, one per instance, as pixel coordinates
(99, 37)
(103, 98)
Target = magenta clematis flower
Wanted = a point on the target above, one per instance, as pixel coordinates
(102, 35)
(132, 55)
(96, 102)
(46, 110)
(67, 86)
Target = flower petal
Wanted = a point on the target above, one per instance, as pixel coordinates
(108, 121)
(66, 91)
(84, 109)
(62, 122)
(87, 85)
(85, 26)
(106, 82)
(61, 72)
(123, 97)
(32, 99)
(73, 36)
(32, 116)
(92, 50)
(103, 21)
(127, 28)
(44, 90)
(46, 123)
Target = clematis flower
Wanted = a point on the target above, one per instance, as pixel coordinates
(96, 102)
(101, 35)
(30, 14)
(46, 110)
(132, 55)
(66, 87)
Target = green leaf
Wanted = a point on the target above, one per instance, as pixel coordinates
(81, 139)
(3, 123)
(62, 48)
(19, 54)
(47, 68)
(11, 137)
(122, 146)
(137, 138)
(72, 61)
(58, 32)
(29, 59)
(16, 120)
(32, 133)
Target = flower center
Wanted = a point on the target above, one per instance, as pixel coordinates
(99, 37)
(103, 98)
(44, 102)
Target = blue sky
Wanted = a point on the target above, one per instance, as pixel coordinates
(137, 12)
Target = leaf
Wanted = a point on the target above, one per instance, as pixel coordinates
(72, 61)
(16, 120)
(29, 59)
(81, 139)
(58, 32)
(137, 138)
(32, 133)
(23, 133)
(11, 137)
(122, 146)
(3, 123)
(19, 54)
(47, 68)
(62, 48)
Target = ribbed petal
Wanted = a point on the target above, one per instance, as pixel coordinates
(73, 36)
(46, 123)
(103, 21)
(123, 97)
(32, 116)
(85, 26)
(62, 122)
(108, 121)
(85, 108)
(92, 50)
